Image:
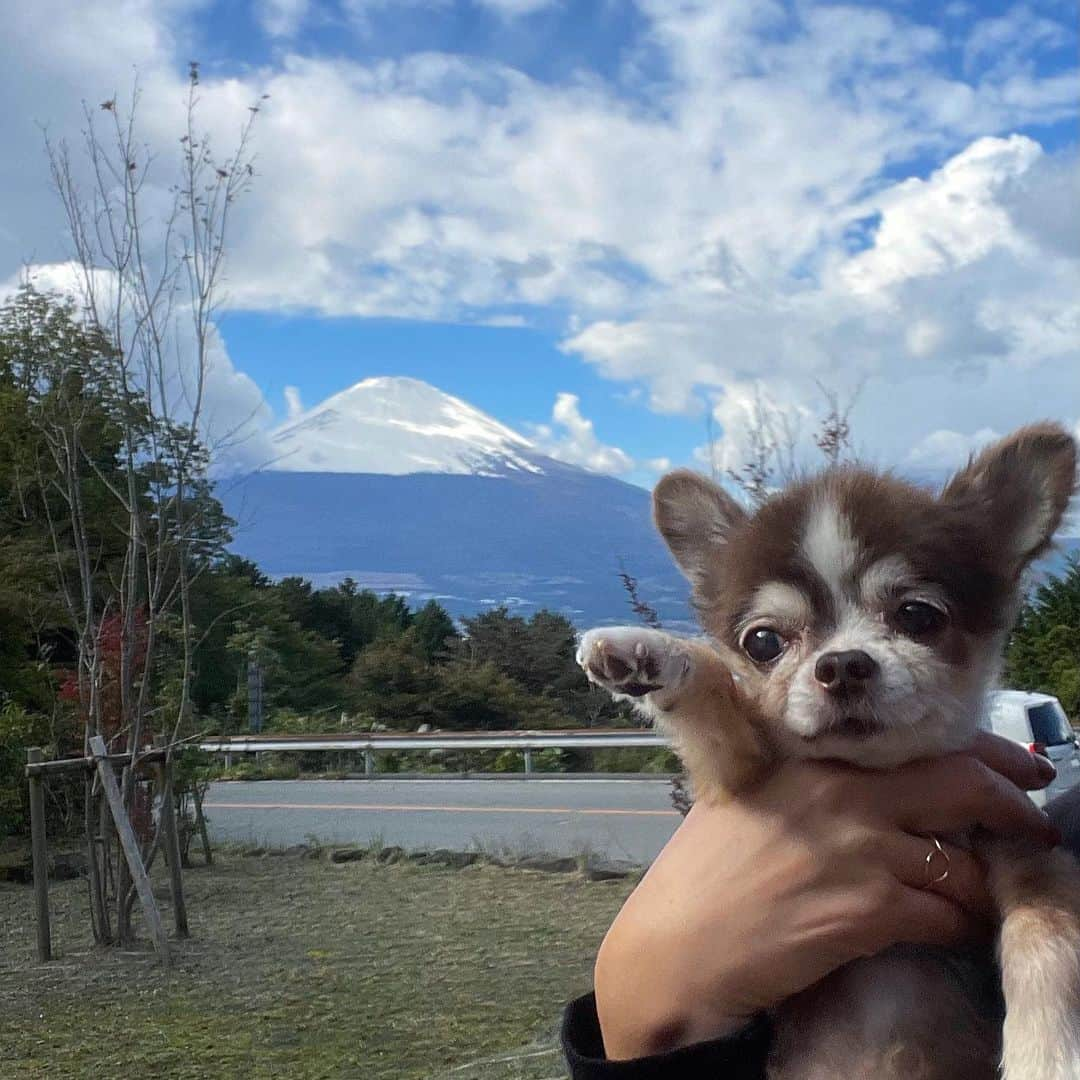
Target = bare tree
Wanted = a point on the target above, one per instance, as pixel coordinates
(641, 608)
(773, 444)
(833, 437)
(149, 285)
(772, 440)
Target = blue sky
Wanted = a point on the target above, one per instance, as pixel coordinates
(553, 43)
(505, 371)
(657, 207)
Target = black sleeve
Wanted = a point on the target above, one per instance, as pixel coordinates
(1064, 812)
(739, 1057)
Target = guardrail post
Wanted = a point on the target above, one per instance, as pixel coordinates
(528, 761)
(40, 856)
(369, 763)
(228, 759)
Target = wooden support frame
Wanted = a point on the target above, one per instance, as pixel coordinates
(200, 823)
(171, 841)
(89, 764)
(130, 847)
(40, 856)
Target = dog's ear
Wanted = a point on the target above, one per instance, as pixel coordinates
(1020, 487)
(695, 517)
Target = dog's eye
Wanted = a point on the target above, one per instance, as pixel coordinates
(918, 619)
(763, 645)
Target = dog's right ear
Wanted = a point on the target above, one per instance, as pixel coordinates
(695, 517)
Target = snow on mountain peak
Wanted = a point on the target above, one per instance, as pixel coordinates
(398, 425)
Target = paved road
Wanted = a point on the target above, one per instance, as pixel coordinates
(616, 819)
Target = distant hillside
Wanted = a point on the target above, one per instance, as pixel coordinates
(550, 539)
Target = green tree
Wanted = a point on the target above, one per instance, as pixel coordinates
(1044, 648)
(18, 730)
(238, 615)
(391, 682)
(435, 631)
(351, 617)
(479, 697)
(539, 655)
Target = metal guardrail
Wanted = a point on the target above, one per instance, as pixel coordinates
(371, 743)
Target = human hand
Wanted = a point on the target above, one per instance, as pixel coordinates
(755, 899)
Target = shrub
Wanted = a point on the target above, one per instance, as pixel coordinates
(18, 730)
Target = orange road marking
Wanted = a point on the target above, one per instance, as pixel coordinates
(438, 809)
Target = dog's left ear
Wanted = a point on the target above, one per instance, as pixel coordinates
(1020, 487)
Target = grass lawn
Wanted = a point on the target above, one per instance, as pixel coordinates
(298, 967)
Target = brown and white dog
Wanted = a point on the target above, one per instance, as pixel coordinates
(857, 617)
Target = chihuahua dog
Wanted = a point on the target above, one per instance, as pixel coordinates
(859, 618)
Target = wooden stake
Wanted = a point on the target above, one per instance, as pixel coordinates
(172, 846)
(200, 821)
(99, 916)
(130, 846)
(41, 858)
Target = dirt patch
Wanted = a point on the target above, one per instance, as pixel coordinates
(299, 967)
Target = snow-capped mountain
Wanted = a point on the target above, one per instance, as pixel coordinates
(406, 489)
(396, 426)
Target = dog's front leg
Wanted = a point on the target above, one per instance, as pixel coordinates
(1038, 893)
(685, 687)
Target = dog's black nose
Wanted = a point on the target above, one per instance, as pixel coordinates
(839, 672)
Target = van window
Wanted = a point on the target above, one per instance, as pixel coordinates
(1049, 725)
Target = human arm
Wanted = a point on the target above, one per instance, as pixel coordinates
(754, 899)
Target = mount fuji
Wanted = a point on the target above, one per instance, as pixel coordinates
(398, 426)
(407, 489)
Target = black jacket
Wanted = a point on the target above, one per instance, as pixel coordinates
(740, 1057)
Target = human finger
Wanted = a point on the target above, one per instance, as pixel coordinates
(949, 871)
(1015, 762)
(922, 917)
(956, 793)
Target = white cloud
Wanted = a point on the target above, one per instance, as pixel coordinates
(1004, 43)
(572, 438)
(950, 449)
(930, 227)
(281, 18)
(736, 223)
(517, 8)
(361, 10)
(294, 405)
(232, 414)
(957, 330)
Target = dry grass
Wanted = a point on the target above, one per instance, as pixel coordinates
(299, 968)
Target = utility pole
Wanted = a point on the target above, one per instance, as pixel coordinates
(255, 694)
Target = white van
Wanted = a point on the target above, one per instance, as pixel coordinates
(1039, 722)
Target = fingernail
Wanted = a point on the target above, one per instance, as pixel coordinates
(1046, 769)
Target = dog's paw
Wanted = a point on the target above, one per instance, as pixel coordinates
(633, 661)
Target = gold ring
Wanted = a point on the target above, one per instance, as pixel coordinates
(936, 878)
